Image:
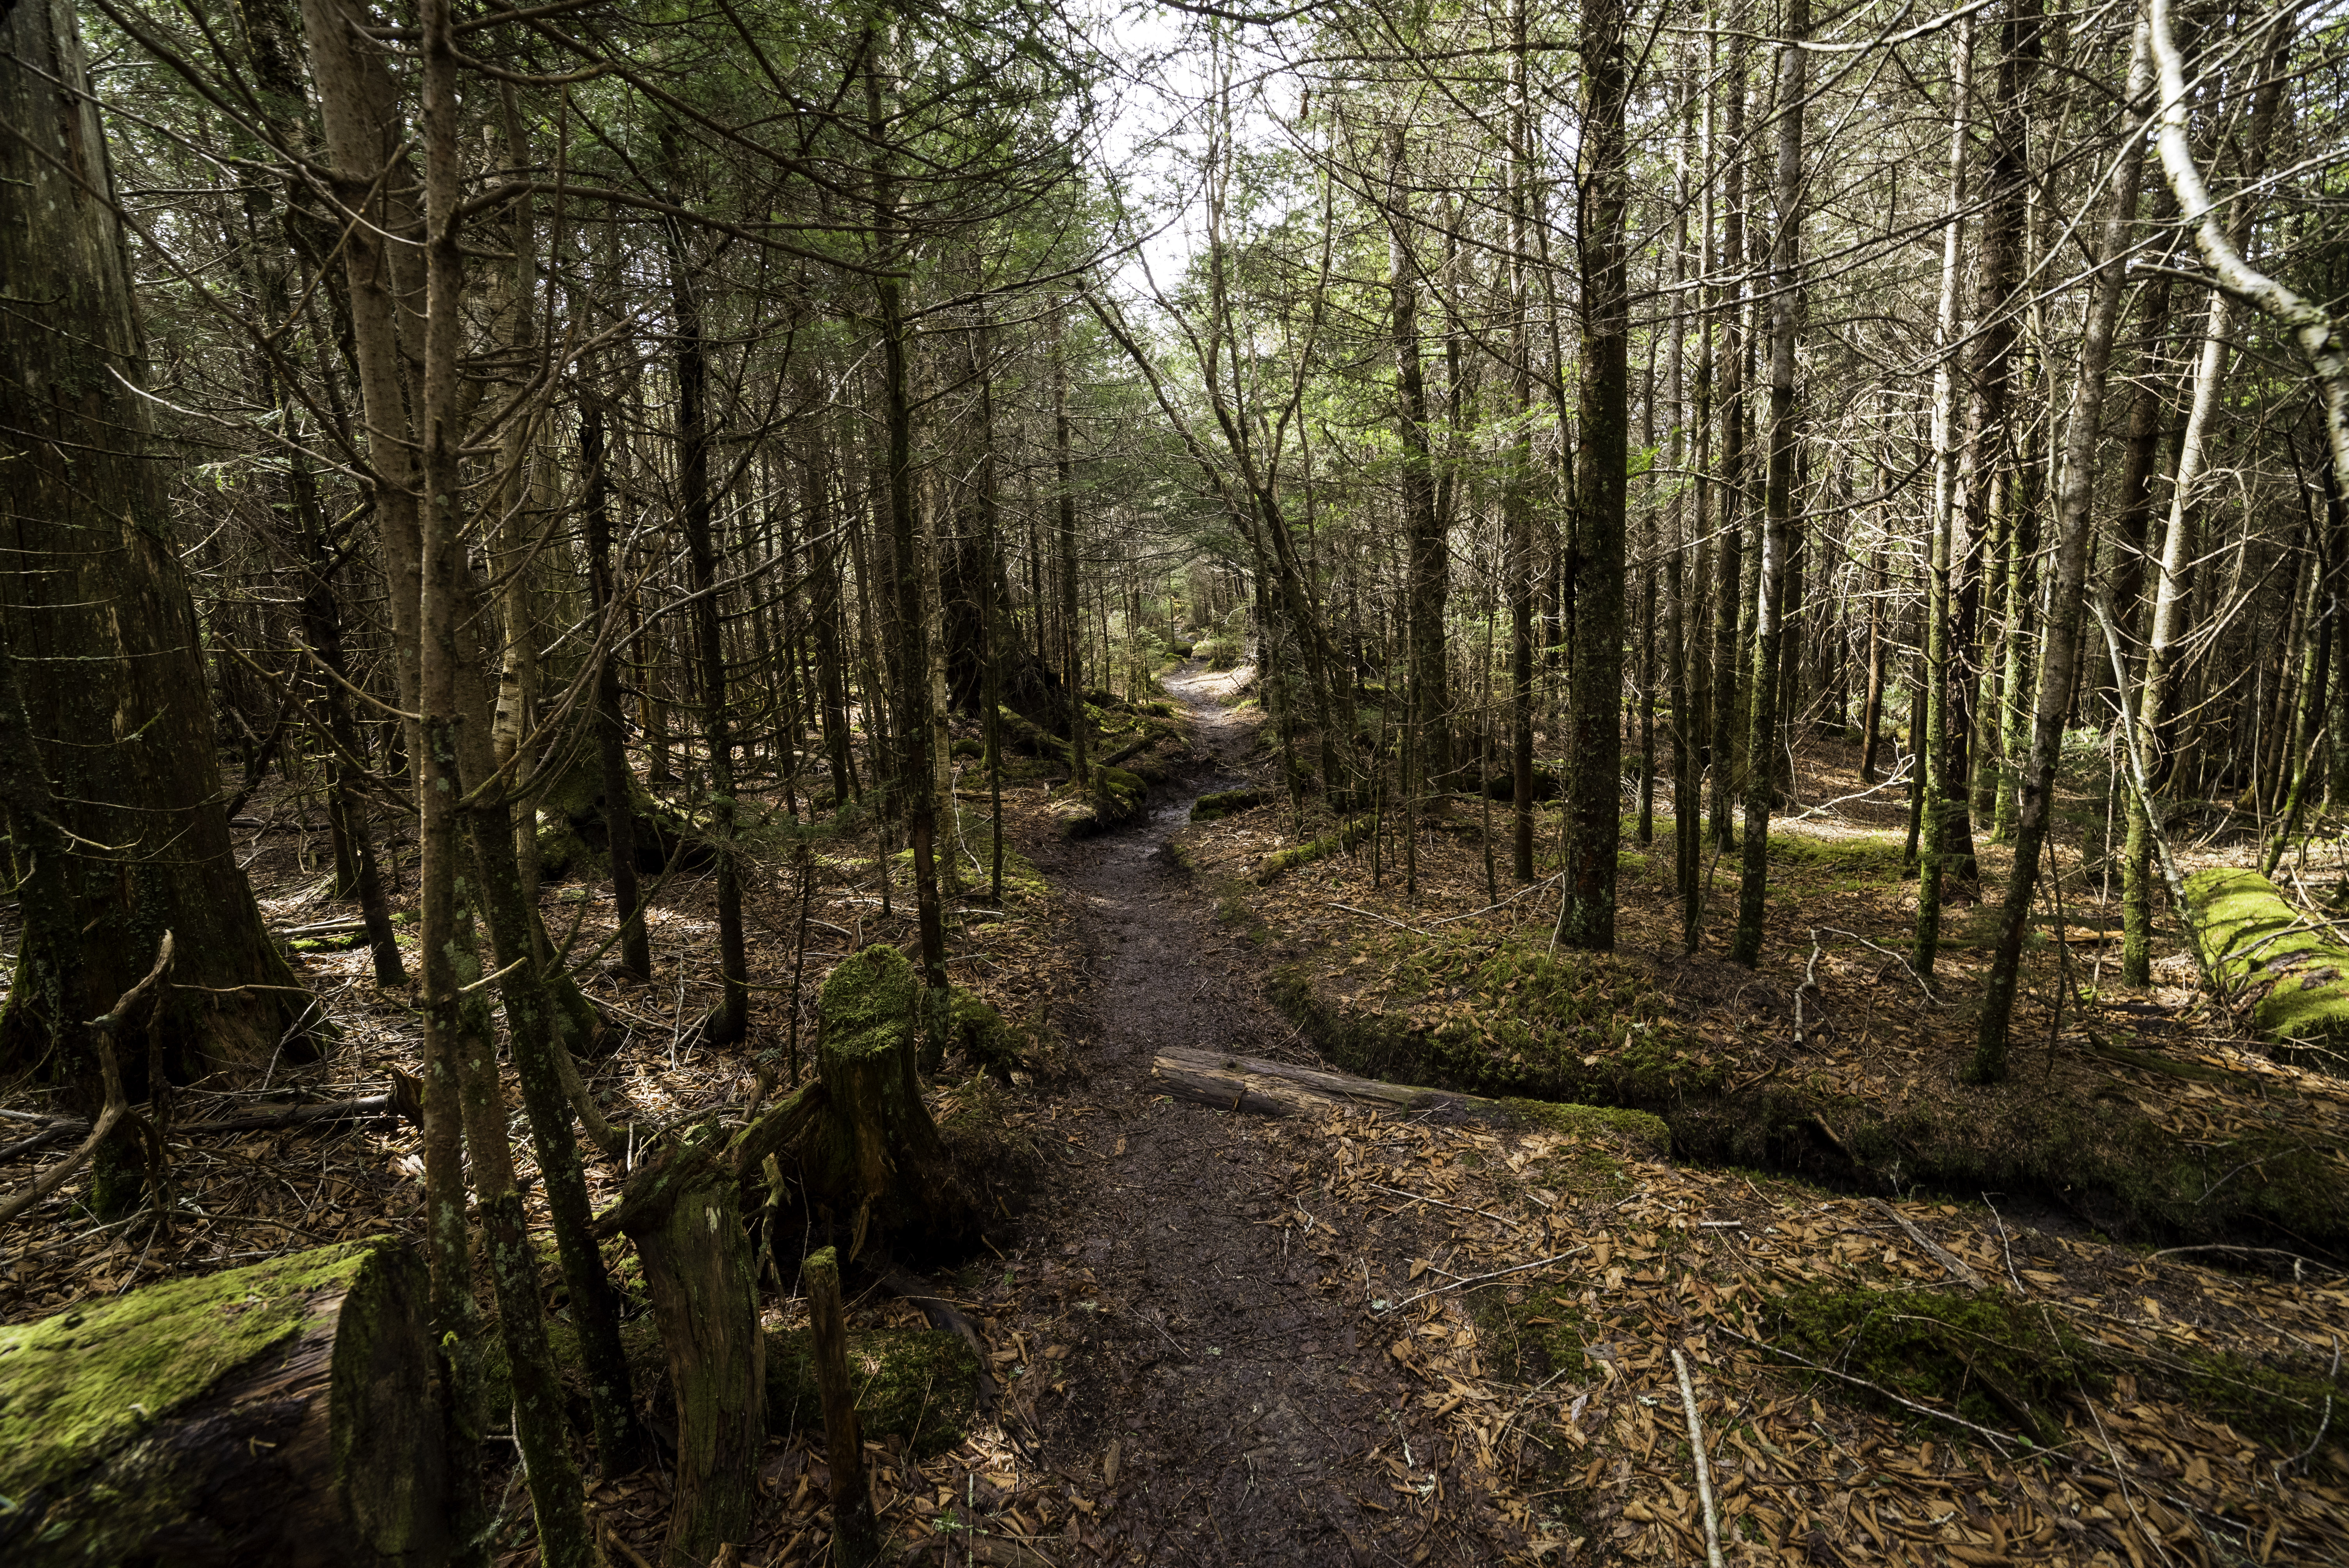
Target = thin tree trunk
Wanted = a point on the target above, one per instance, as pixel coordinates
(917, 790)
(2169, 620)
(1430, 563)
(2060, 661)
(1778, 485)
(1933, 747)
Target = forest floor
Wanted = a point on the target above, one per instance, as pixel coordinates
(1920, 1322)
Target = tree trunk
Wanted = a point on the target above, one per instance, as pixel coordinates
(874, 1158)
(2168, 619)
(697, 1269)
(611, 722)
(2059, 664)
(1429, 558)
(99, 618)
(1595, 745)
(1518, 499)
(1778, 488)
(1933, 748)
(1729, 584)
(729, 1020)
(857, 1534)
(281, 1413)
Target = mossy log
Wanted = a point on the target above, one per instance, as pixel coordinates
(1225, 803)
(2289, 970)
(1231, 1082)
(1344, 837)
(873, 1155)
(283, 1413)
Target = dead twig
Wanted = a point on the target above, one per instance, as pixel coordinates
(1479, 1279)
(1703, 1467)
(102, 1032)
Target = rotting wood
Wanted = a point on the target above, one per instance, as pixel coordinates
(696, 1265)
(281, 1413)
(1230, 1082)
(857, 1538)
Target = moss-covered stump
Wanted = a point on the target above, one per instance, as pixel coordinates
(918, 1384)
(1113, 800)
(573, 839)
(873, 1155)
(282, 1413)
(2289, 971)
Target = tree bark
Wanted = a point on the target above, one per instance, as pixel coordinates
(1429, 556)
(2169, 616)
(1779, 488)
(96, 612)
(1595, 744)
(1933, 747)
(2060, 661)
(281, 1413)
(611, 720)
(857, 1534)
(697, 1268)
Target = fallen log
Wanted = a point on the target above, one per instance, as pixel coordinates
(2287, 970)
(402, 1099)
(1230, 1082)
(282, 1413)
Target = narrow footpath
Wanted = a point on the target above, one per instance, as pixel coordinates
(1246, 1406)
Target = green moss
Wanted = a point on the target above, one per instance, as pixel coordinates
(983, 1036)
(1637, 1127)
(1224, 802)
(869, 1002)
(2282, 1409)
(1994, 1359)
(2004, 1363)
(1344, 837)
(2262, 949)
(1508, 1018)
(918, 1384)
(1532, 1338)
(74, 1384)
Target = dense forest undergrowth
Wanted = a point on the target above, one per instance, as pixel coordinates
(2057, 1343)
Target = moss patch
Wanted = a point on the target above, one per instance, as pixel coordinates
(1995, 1359)
(2260, 946)
(1345, 836)
(2003, 1362)
(919, 1384)
(1647, 1133)
(868, 1002)
(1218, 803)
(74, 1384)
(1507, 1019)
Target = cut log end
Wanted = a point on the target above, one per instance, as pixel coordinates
(283, 1413)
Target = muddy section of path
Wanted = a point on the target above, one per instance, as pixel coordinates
(1250, 1410)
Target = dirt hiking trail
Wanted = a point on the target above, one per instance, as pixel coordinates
(1250, 1408)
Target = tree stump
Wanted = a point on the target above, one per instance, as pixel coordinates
(284, 1413)
(873, 1155)
(696, 1262)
